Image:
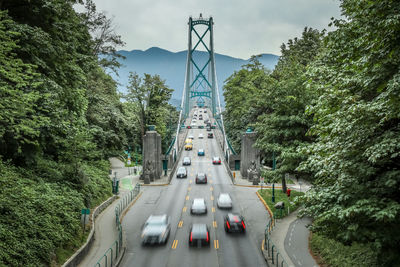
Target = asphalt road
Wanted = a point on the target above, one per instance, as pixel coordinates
(175, 200)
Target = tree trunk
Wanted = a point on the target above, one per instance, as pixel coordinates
(284, 188)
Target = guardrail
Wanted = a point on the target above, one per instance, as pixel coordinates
(113, 253)
(272, 252)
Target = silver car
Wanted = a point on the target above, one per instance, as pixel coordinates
(156, 230)
(198, 206)
(224, 201)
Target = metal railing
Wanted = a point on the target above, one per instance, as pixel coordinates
(113, 252)
(272, 251)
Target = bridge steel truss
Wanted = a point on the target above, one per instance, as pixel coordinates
(201, 85)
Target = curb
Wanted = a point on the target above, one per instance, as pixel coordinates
(266, 206)
(154, 184)
(118, 262)
(258, 186)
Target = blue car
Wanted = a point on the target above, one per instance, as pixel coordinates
(200, 152)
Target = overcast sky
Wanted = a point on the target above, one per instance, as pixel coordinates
(241, 27)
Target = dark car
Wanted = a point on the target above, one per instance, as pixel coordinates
(186, 161)
(198, 206)
(181, 173)
(216, 160)
(156, 230)
(199, 235)
(210, 135)
(234, 223)
(201, 178)
(208, 128)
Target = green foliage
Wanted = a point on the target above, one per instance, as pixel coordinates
(357, 125)
(282, 127)
(151, 96)
(242, 105)
(293, 202)
(336, 254)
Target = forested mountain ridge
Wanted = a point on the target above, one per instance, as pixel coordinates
(171, 67)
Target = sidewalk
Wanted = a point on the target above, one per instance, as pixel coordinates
(290, 234)
(105, 228)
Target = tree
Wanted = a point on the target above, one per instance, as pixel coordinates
(241, 93)
(356, 159)
(282, 127)
(151, 95)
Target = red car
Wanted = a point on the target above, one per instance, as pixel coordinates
(216, 160)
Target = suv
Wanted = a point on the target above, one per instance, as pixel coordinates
(201, 178)
(210, 135)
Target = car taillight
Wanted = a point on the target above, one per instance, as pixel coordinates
(219, 161)
(207, 236)
(227, 224)
(244, 226)
(191, 237)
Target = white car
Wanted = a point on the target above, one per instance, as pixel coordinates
(224, 201)
(191, 137)
(201, 136)
(198, 206)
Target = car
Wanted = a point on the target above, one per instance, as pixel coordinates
(201, 152)
(181, 173)
(224, 201)
(190, 137)
(198, 206)
(205, 111)
(200, 118)
(216, 160)
(156, 230)
(186, 161)
(189, 146)
(201, 136)
(234, 223)
(193, 124)
(199, 235)
(210, 135)
(208, 128)
(189, 127)
(201, 178)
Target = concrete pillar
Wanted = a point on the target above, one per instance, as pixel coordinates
(248, 153)
(152, 158)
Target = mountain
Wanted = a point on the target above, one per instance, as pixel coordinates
(172, 66)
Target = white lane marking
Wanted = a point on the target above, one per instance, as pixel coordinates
(299, 263)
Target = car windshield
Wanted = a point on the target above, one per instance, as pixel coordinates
(201, 175)
(186, 159)
(182, 169)
(198, 203)
(201, 150)
(199, 231)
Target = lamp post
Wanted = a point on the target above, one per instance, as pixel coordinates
(273, 181)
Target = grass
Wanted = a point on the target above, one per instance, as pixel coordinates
(330, 252)
(266, 194)
(64, 253)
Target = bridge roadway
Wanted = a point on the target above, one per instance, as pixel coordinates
(175, 200)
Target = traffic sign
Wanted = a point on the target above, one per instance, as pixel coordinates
(85, 211)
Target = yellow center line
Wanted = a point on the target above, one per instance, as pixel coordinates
(189, 188)
(212, 197)
(211, 188)
(187, 197)
(184, 209)
(215, 224)
(213, 209)
(190, 181)
(180, 224)
(216, 244)
(174, 244)
(210, 181)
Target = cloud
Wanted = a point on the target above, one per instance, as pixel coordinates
(241, 29)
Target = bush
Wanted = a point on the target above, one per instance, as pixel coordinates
(266, 194)
(336, 254)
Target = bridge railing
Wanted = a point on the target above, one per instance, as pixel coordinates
(112, 254)
(272, 251)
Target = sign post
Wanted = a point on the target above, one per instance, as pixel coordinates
(84, 218)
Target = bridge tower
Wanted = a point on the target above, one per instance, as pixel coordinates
(200, 86)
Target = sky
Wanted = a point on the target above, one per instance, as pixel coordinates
(241, 27)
